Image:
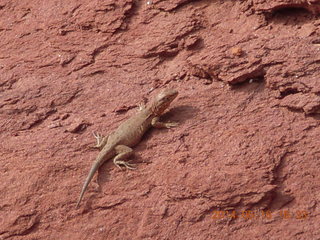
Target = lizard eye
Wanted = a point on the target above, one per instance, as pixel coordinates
(164, 99)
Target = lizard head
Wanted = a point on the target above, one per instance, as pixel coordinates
(163, 100)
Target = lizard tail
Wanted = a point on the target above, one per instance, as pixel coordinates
(93, 169)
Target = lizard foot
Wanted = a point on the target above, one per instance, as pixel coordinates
(171, 124)
(126, 164)
(141, 106)
(99, 138)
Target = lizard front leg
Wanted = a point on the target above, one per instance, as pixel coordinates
(157, 124)
(141, 107)
(122, 153)
(101, 140)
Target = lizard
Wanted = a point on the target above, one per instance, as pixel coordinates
(117, 145)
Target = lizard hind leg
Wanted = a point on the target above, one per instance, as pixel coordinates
(122, 153)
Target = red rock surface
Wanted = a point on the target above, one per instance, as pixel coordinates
(244, 162)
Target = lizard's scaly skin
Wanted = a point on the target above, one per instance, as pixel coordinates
(118, 144)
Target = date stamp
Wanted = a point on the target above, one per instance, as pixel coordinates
(259, 214)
